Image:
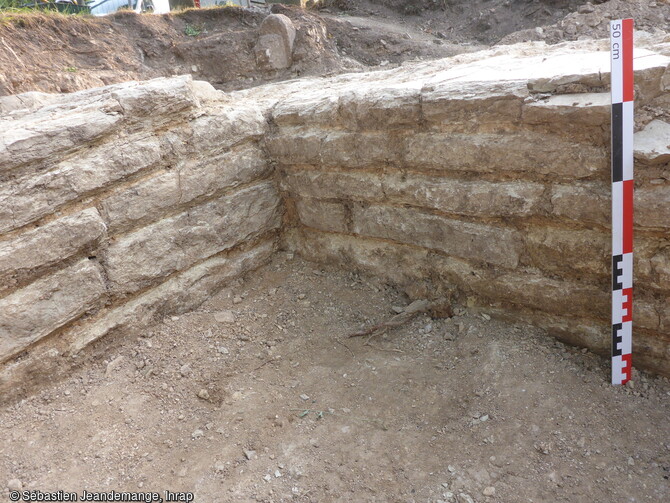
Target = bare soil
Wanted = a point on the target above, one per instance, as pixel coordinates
(61, 54)
(509, 21)
(259, 395)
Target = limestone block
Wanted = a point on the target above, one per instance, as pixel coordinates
(274, 48)
(31, 100)
(569, 251)
(394, 262)
(48, 133)
(582, 202)
(528, 153)
(471, 241)
(381, 107)
(203, 177)
(322, 215)
(652, 144)
(590, 109)
(180, 293)
(449, 195)
(308, 108)
(652, 207)
(353, 185)
(33, 312)
(205, 92)
(333, 148)
(30, 253)
(147, 200)
(225, 126)
(143, 257)
(452, 103)
(566, 298)
(356, 150)
(164, 97)
(151, 198)
(647, 311)
(31, 198)
(660, 269)
(296, 146)
(664, 315)
(471, 198)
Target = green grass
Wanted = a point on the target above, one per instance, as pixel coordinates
(192, 31)
(26, 17)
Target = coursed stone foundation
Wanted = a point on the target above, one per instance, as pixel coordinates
(484, 177)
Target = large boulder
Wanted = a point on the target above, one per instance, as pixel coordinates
(274, 48)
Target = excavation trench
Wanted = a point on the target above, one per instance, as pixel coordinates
(482, 179)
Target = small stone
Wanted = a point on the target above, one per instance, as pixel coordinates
(113, 365)
(237, 300)
(428, 328)
(197, 434)
(204, 394)
(543, 447)
(398, 309)
(66, 392)
(182, 473)
(301, 296)
(586, 9)
(15, 485)
(223, 351)
(277, 474)
(185, 370)
(465, 498)
(225, 316)
(304, 397)
(489, 491)
(486, 316)
(451, 469)
(631, 461)
(267, 478)
(194, 68)
(175, 318)
(250, 455)
(484, 418)
(219, 467)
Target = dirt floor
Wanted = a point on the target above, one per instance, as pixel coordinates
(259, 395)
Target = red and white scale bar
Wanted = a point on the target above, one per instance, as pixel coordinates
(621, 45)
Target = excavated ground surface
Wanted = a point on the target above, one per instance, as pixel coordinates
(53, 53)
(436, 410)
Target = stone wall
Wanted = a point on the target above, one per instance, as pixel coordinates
(484, 177)
(121, 205)
(488, 180)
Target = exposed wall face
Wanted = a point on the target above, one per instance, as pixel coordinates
(485, 176)
(491, 177)
(122, 204)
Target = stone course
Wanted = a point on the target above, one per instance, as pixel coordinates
(484, 176)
